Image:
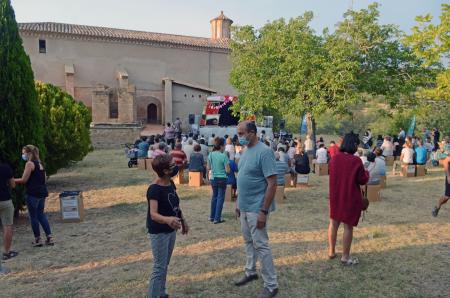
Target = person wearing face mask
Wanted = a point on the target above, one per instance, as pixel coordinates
(34, 178)
(256, 182)
(164, 219)
(219, 165)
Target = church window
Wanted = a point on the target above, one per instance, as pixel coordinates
(42, 46)
(113, 105)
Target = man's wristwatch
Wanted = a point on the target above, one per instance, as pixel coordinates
(264, 211)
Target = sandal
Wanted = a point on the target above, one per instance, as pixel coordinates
(49, 241)
(11, 254)
(435, 211)
(331, 257)
(350, 262)
(37, 242)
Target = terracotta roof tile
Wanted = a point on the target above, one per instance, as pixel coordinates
(122, 35)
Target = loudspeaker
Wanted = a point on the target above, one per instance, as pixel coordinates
(282, 124)
(191, 118)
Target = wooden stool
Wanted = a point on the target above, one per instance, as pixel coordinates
(287, 180)
(279, 194)
(302, 180)
(229, 194)
(148, 164)
(421, 170)
(383, 182)
(321, 169)
(179, 178)
(195, 179)
(408, 170)
(141, 164)
(389, 161)
(373, 193)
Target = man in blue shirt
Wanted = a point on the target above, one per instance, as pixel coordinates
(421, 154)
(257, 183)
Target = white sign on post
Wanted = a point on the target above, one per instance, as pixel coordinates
(71, 203)
(411, 169)
(69, 206)
(302, 179)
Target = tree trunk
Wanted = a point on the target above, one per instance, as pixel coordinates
(311, 124)
(314, 133)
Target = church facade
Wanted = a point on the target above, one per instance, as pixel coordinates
(131, 77)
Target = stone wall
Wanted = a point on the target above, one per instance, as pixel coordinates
(113, 136)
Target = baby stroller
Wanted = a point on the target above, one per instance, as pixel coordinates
(132, 154)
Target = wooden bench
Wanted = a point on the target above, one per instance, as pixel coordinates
(141, 163)
(279, 194)
(229, 194)
(195, 179)
(148, 164)
(421, 170)
(383, 182)
(373, 192)
(321, 169)
(302, 180)
(179, 178)
(389, 161)
(408, 170)
(287, 180)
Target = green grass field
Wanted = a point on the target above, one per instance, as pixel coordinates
(404, 252)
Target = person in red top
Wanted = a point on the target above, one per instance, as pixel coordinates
(178, 156)
(333, 149)
(347, 173)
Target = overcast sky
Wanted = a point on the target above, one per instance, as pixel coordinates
(191, 17)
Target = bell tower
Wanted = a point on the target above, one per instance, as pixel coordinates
(221, 27)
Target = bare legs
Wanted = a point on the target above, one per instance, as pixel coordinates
(442, 201)
(346, 241)
(7, 238)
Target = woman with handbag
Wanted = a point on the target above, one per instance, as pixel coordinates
(347, 174)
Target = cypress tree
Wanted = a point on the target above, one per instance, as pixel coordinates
(20, 117)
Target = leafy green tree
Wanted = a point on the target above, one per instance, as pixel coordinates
(284, 68)
(20, 118)
(431, 43)
(66, 127)
(386, 66)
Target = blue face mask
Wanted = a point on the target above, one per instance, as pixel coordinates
(24, 157)
(243, 141)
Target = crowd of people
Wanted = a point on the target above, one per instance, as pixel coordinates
(254, 165)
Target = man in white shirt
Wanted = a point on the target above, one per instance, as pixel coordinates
(189, 148)
(321, 154)
(387, 147)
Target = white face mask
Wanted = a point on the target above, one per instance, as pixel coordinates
(24, 157)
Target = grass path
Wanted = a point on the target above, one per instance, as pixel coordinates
(404, 252)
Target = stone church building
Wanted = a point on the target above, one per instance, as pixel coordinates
(131, 78)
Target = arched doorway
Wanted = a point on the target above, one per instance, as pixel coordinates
(152, 113)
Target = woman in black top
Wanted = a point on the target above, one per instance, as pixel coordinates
(164, 218)
(34, 179)
(301, 162)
